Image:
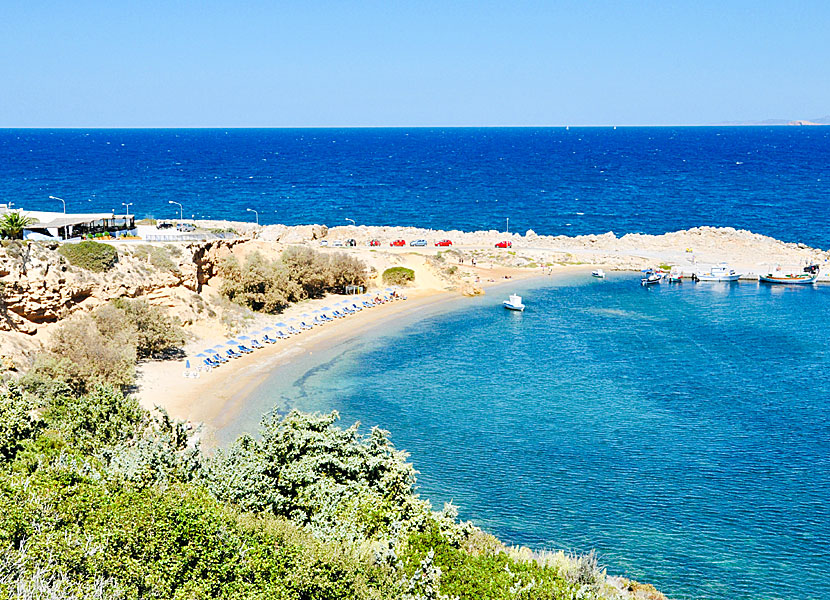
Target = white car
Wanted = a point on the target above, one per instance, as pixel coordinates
(337, 243)
(324, 242)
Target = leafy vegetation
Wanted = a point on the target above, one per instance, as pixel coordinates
(13, 223)
(271, 286)
(89, 255)
(157, 256)
(101, 348)
(100, 498)
(398, 276)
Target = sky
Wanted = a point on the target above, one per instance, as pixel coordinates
(314, 63)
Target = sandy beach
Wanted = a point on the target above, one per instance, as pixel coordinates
(217, 396)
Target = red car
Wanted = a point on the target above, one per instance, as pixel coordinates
(398, 243)
(504, 244)
(374, 243)
(443, 243)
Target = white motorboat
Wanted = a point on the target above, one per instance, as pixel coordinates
(721, 272)
(599, 273)
(514, 303)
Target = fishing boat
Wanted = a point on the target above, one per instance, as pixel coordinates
(514, 303)
(808, 276)
(599, 273)
(721, 272)
(650, 277)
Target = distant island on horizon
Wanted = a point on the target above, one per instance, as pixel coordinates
(817, 121)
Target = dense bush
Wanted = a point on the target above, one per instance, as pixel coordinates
(398, 276)
(101, 347)
(270, 286)
(157, 334)
(92, 256)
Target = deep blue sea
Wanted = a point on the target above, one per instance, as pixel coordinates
(682, 430)
(772, 180)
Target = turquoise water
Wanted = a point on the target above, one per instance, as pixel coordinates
(681, 430)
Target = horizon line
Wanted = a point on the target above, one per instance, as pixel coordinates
(793, 123)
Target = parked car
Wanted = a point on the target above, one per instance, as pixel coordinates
(398, 243)
(374, 242)
(186, 227)
(504, 244)
(443, 243)
(164, 225)
(324, 242)
(418, 243)
(351, 242)
(337, 243)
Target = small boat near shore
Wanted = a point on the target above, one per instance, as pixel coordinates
(599, 274)
(721, 272)
(808, 276)
(514, 303)
(650, 277)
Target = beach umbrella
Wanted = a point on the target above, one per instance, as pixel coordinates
(325, 308)
(201, 355)
(281, 325)
(232, 343)
(243, 337)
(269, 328)
(187, 364)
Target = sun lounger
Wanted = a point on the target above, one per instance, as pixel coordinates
(233, 354)
(244, 349)
(256, 345)
(218, 358)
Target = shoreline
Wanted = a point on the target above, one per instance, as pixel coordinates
(219, 396)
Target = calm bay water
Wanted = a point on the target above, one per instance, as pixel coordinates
(682, 431)
(772, 180)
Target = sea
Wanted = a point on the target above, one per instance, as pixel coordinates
(771, 180)
(682, 431)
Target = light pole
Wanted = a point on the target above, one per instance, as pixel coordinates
(181, 217)
(256, 214)
(128, 205)
(352, 220)
(62, 200)
(507, 226)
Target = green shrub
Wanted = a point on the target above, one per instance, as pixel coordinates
(92, 256)
(157, 256)
(270, 286)
(398, 276)
(156, 333)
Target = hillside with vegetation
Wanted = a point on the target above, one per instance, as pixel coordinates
(100, 498)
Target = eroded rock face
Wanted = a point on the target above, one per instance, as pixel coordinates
(40, 287)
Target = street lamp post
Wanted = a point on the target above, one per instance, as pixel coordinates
(62, 200)
(181, 210)
(352, 220)
(128, 205)
(507, 226)
(256, 214)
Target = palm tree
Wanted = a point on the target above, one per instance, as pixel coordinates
(13, 223)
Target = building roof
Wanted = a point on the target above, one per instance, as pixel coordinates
(67, 220)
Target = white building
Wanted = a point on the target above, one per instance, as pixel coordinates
(71, 226)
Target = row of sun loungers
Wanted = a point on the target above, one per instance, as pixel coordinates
(217, 358)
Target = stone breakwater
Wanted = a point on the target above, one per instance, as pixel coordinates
(687, 249)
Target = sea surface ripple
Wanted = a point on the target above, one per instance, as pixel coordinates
(682, 431)
(771, 180)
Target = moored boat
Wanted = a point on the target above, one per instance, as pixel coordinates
(599, 273)
(808, 276)
(514, 303)
(650, 277)
(721, 272)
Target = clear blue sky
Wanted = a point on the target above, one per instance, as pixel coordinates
(122, 63)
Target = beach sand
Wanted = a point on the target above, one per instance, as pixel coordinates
(216, 397)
